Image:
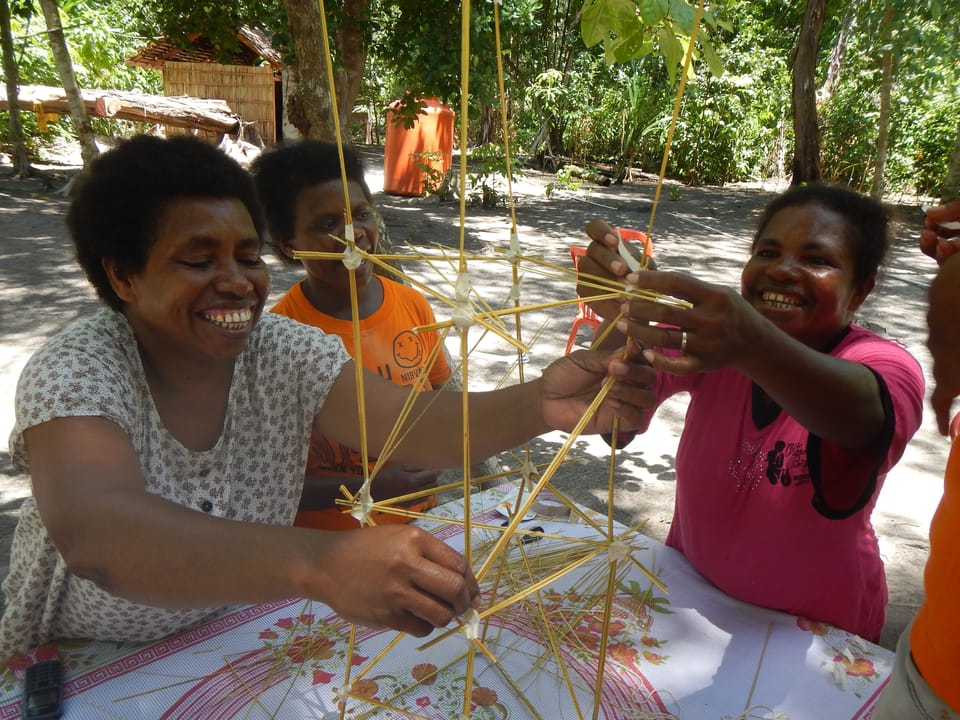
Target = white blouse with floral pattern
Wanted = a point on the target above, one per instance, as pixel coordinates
(254, 472)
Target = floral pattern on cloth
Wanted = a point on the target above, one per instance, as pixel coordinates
(851, 663)
(693, 653)
(253, 473)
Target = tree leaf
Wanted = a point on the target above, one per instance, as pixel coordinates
(607, 20)
(593, 22)
(632, 44)
(653, 11)
(714, 63)
(672, 50)
(684, 14)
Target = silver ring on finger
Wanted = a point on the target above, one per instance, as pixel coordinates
(683, 340)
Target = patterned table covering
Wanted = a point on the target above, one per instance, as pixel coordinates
(692, 653)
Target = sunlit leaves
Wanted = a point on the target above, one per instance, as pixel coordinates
(629, 30)
(604, 21)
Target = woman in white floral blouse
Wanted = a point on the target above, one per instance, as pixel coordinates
(166, 436)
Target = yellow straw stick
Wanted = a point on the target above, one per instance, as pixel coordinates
(551, 470)
(381, 655)
(676, 113)
(604, 639)
(493, 610)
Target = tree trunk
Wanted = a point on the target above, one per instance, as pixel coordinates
(352, 40)
(205, 114)
(825, 94)
(883, 124)
(61, 56)
(309, 107)
(487, 124)
(21, 162)
(806, 149)
(951, 185)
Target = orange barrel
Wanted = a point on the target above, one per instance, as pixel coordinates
(431, 133)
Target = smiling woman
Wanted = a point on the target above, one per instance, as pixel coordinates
(166, 436)
(796, 414)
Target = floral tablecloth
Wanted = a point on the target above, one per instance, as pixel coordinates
(689, 653)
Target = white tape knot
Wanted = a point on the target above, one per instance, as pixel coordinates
(514, 251)
(462, 288)
(352, 258)
(617, 551)
(625, 254)
(471, 624)
(362, 504)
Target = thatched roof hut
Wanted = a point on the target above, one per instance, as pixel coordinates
(250, 80)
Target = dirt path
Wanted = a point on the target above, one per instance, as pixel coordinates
(705, 231)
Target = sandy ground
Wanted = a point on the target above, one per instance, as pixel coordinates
(706, 231)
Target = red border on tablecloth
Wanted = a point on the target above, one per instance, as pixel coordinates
(158, 650)
(866, 710)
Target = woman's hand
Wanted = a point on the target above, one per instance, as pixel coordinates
(720, 328)
(603, 263)
(936, 240)
(570, 384)
(395, 576)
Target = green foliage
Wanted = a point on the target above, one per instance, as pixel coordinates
(926, 146)
(422, 47)
(488, 167)
(436, 182)
(406, 111)
(99, 36)
(629, 30)
(217, 20)
(924, 100)
(591, 81)
(569, 177)
(849, 136)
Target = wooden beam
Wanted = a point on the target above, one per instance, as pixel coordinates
(185, 112)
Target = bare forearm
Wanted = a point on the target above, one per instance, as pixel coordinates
(146, 549)
(834, 399)
(498, 420)
(433, 434)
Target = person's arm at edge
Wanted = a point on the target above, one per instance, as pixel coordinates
(944, 340)
(936, 241)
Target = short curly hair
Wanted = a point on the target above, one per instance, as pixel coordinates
(281, 174)
(117, 202)
(867, 221)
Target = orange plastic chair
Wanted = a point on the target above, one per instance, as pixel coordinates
(586, 316)
(955, 426)
(630, 235)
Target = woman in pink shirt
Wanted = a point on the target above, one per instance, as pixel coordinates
(796, 414)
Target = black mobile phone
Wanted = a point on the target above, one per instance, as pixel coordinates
(43, 691)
